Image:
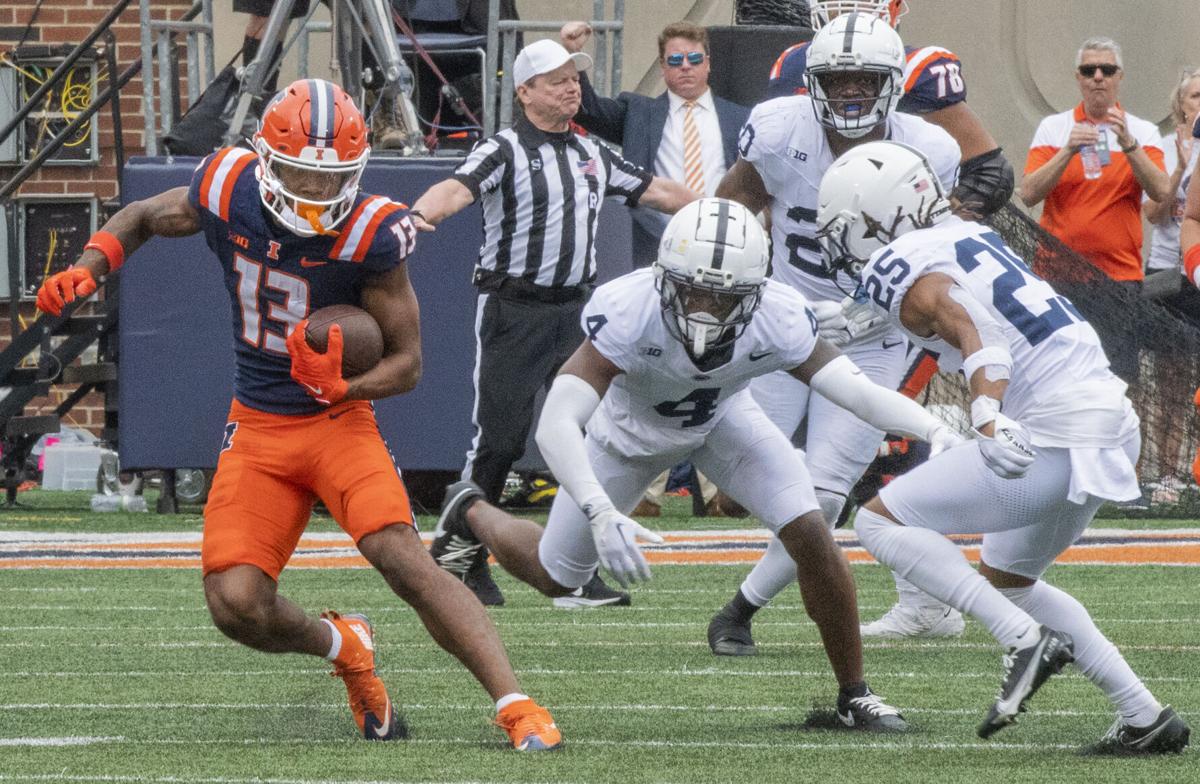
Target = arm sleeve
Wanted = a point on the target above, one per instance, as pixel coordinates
(569, 405)
(843, 383)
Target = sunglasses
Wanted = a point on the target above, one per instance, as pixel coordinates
(676, 60)
(1108, 69)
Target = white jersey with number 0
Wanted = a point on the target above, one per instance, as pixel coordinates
(662, 402)
(1061, 387)
(786, 144)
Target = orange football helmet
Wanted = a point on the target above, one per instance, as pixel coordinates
(312, 149)
(822, 12)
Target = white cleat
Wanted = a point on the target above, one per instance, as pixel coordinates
(901, 622)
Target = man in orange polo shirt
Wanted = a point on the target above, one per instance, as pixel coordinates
(1099, 217)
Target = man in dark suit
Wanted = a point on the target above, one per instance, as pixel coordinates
(686, 134)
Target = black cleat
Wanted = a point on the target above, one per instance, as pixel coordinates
(860, 708)
(1025, 670)
(594, 593)
(729, 636)
(455, 547)
(479, 579)
(1167, 735)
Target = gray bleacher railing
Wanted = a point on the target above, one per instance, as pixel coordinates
(158, 35)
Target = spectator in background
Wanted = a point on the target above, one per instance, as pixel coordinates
(1164, 282)
(686, 134)
(1098, 217)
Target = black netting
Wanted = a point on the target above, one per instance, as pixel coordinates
(771, 12)
(1152, 344)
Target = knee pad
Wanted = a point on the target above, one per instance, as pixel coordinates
(832, 503)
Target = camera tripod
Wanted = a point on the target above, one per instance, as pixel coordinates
(355, 23)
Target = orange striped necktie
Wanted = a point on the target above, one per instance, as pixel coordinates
(693, 166)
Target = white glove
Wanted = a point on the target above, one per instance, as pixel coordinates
(943, 438)
(863, 320)
(831, 324)
(616, 538)
(1010, 452)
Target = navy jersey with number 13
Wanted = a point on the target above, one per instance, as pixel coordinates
(276, 278)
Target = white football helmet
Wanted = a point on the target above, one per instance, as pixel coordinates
(711, 270)
(855, 44)
(870, 196)
(822, 12)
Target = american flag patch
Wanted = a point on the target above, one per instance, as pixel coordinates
(921, 185)
(588, 167)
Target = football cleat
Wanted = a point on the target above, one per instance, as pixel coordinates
(530, 727)
(354, 663)
(1025, 670)
(479, 579)
(594, 593)
(1167, 735)
(901, 622)
(455, 547)
(860, 708)
(729, 636)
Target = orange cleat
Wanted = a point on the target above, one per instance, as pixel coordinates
(355, 665)
(530, 727)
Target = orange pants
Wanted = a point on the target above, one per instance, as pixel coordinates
(273, 466)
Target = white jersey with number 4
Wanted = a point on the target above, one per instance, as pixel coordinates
(1061, 387)
(662, 402)
(786, 144)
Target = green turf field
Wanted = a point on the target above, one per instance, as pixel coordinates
(126, 663)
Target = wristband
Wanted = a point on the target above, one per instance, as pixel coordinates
(110, 246)
(419, 214)
(1191, 264)
(1131, 148)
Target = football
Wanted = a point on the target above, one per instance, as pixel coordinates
(362, 341)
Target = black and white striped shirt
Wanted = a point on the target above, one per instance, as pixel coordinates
(541, 196)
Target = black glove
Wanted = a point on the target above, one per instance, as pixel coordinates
(985, 184)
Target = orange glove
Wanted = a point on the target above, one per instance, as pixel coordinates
(319, 374)
(63, 287)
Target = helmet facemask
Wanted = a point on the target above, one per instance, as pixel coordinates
(707, 311)
(854, 116)
(307, 215)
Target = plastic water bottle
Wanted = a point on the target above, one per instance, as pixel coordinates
(118, 502)
(1090, 157)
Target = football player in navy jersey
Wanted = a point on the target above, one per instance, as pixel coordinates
(933, 88)
(293, 234)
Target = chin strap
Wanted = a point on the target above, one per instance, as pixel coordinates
(312, 214)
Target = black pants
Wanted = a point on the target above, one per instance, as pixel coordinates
(521, 343)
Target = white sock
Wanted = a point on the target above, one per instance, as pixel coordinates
(335, 646)
(509, 699)
(936, 565)
(774, 572)
(1095, 656)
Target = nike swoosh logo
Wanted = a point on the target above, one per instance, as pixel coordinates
(344, 410)
(381, 729)
(892, 345)
(755, 357)
(847, 719)
(307, 262)
(314, 390)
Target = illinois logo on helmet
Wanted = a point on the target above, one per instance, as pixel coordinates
(312, 148)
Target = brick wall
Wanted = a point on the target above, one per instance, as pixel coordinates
(70, 21)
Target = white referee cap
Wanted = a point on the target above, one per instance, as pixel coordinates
(544, 56)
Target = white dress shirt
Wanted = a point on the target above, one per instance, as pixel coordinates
(668, 162)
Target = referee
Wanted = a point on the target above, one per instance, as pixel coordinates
(541, 187)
